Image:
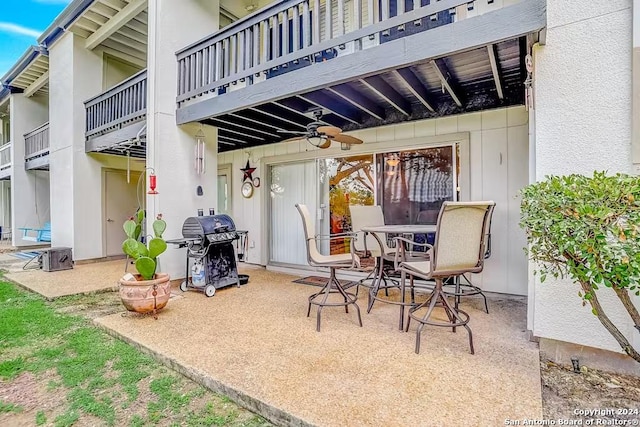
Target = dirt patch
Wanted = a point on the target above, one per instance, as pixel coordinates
(29, 393)
(566, 393)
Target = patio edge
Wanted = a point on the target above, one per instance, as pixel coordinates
(50, 298)
(269, 412)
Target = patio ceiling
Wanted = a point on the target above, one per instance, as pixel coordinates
(488, 77)
(118, 27)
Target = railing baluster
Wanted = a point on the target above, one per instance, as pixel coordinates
(357, 14)
(256, 45)
(275, 37)
(306, 25)
(233, 55)
(371, 9)
(226, 57)
(242, 51)
(265, 42)
(199, 69)
(316, 21)
(219, 62)
(341, 23)
(296, 28)
(285, 33)
(328, 20)
(194, 70)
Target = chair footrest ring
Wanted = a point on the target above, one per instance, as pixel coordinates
(352, 299)
(462, 322)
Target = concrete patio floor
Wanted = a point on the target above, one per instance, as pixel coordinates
(256, 345)
(82, 279)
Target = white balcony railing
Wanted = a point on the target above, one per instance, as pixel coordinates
(294, 33)
(5, 156)
(36, 142)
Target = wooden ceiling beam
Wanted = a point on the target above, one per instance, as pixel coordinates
(447, 80)
(495, 69)
(392, 96)
(37, 85)
(337, 107)
(115, 23)
(417, 88)
(359, 100)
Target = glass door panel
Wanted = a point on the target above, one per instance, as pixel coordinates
(345, 181)
(413, 184)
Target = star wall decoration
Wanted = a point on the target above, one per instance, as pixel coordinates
(248, 172)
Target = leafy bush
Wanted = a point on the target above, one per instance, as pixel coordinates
(587, 228)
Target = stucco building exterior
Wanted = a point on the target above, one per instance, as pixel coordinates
(501, 92)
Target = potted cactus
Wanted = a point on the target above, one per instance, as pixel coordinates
(148, 291)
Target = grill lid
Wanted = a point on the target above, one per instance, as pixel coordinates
(201, 226)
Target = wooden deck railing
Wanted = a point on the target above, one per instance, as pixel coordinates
(36, 142)
(294, 33)
(122, 104)
(5, 156)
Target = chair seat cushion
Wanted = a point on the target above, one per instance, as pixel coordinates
(420, 267)
(338, 259)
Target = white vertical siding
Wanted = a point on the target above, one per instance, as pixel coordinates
(491, 133)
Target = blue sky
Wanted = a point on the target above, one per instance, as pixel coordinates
(21, 22)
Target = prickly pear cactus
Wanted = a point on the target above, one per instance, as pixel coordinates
(146, 262)
(146, 267)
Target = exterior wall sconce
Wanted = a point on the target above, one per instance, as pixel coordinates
(199, 164)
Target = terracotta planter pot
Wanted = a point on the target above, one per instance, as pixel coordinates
(138, 295)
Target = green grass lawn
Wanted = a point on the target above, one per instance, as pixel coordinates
(58, 369)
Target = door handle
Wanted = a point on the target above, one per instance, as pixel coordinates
(109, 220)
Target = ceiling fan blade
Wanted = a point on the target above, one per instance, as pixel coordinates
(329, 130)
(346, 139)
(325, 144)
(294, 132)
(295, 138)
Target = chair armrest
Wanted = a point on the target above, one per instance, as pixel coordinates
(401, 252)
(26, 228)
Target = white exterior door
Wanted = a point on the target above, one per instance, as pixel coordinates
(121, 202)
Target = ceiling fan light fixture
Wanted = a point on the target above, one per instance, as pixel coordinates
(393, 162)
(315, 140)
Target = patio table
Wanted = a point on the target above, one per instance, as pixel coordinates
(393, 229)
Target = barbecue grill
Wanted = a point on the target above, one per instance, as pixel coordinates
(209, 242)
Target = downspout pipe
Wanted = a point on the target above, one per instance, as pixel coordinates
(635, 96)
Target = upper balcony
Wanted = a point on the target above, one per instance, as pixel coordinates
(117, 117)
(365, 62)
(36, 148)
(5, 161)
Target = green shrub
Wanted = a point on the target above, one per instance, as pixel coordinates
(587, 228)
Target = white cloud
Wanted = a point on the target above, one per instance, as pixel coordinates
(8, 27)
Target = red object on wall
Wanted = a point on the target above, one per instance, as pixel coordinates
(152, 184)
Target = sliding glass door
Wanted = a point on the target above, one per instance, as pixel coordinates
(410, 185)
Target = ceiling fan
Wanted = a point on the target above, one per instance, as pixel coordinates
(320, 135)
